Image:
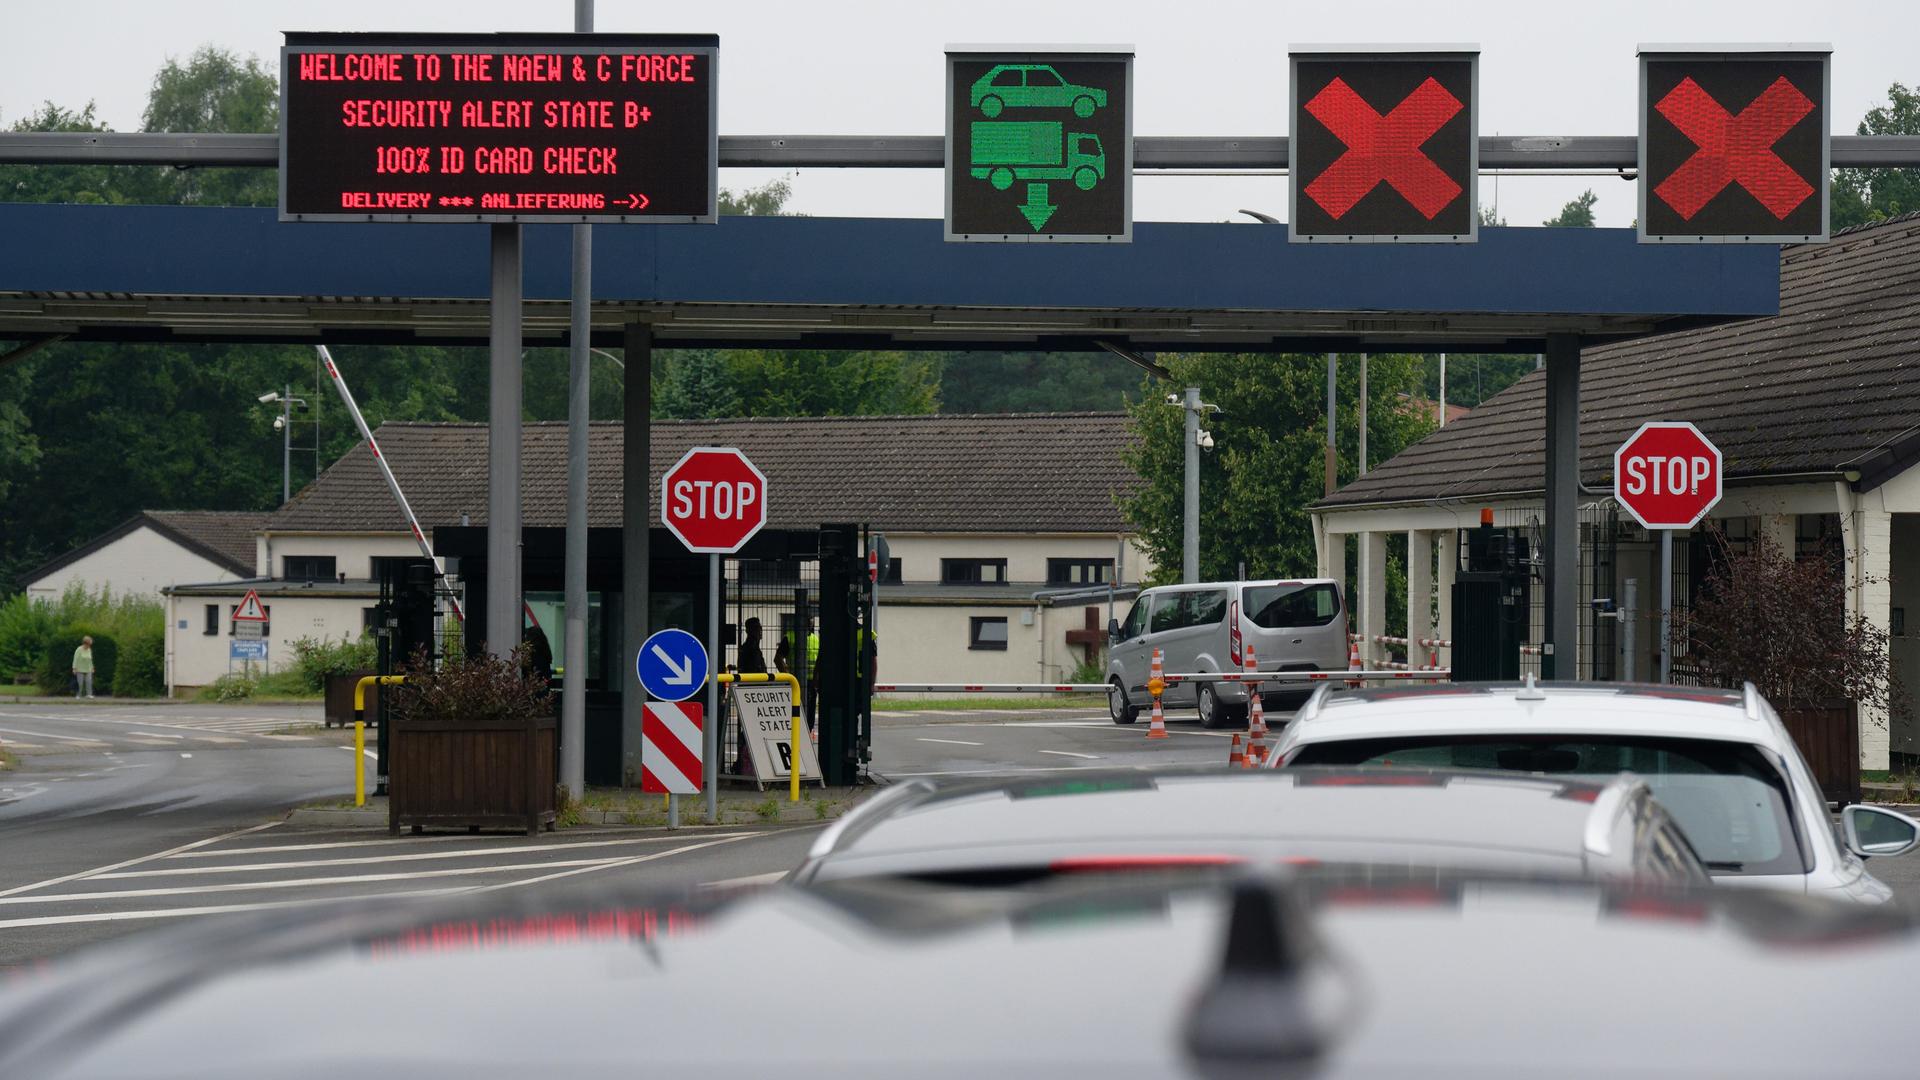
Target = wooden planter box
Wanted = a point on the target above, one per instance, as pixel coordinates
(1828, 736)
(482, 775)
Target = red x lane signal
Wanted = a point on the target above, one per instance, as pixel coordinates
(1734, 149)
(1733, 146)
(1383, 149)
(1383, 146)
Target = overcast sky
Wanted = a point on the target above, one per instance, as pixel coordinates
(1203, 67)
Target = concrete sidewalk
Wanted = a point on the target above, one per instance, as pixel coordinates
(626, 806)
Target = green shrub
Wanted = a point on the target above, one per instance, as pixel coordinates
(143, 664)
(25, 626)
(289, 683)
(315, 660)
(237, 686)
(56, 671)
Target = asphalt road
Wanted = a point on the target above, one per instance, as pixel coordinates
(124, 818)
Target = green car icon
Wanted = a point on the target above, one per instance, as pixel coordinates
(1033, 86)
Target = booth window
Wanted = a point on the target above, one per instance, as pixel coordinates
(308, 567)
(973, 572)
(988, 633)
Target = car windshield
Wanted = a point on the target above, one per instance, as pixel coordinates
(1732, 805)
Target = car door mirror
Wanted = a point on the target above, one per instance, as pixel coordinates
(1872, 831)
(1113, 630)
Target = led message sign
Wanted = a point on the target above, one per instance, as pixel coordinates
(1384, 146)
(498, 127)
(1733, 146)
(1040, 146)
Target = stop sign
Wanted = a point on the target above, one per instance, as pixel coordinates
(713, 499)
(1667, 475)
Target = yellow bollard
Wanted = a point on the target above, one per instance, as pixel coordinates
(793, 726)
(359, 763)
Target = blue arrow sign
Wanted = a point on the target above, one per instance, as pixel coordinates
(672, 665)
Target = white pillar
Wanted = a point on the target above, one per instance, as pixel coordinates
(1419, 593)
(1333, 559)
(1780, 530)
(1372, 585)
(1447, 566)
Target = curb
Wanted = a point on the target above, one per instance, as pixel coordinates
(643, 812)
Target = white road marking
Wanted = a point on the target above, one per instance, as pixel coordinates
(412, 841)
(615, 864)
(137, 861)
(216, 909)
(954, 742)
(1069, 753)
(56, 738)
(750, 879)
(369, 753)
(288, 738)
(305, 883)
(186, 755)
(155, 735)
(365, 860)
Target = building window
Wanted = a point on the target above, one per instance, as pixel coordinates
(973, 572)
(307, 567)
(266, 628)
(1079, 571)
(367, 617)
(213, 621)
(890, 573)
(987, 633)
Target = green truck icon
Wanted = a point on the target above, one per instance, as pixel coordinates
(1006, 150)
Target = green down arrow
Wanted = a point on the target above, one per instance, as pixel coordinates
(1038, 209)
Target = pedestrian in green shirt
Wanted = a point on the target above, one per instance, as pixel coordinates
(83, 669)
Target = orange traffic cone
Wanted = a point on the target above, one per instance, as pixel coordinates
(1156, 686)
(1257, 755)
(1256, 712)
(1353, 662)
(1236, 754)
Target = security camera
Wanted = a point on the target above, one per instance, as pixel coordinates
(1173, 399)
(1205, 439)
(271, 395)
(279, 422)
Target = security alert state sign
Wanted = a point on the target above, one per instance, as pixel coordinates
(766, 723)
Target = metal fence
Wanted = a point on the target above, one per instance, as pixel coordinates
(779, 600)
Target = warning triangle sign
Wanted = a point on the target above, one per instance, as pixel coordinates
(250, 609)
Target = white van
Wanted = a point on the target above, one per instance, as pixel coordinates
(1292, 626)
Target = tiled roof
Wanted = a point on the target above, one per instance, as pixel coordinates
(1022, 473)
(224, 537)
(1830, 384)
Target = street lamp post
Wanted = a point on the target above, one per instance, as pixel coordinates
(1196, 439)
(284, 423)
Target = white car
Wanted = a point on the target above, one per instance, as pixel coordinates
(1721, 762)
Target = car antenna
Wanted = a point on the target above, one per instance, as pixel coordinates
(1257, 1011)
(1530, 690)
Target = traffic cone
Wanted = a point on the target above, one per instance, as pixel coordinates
(1236, 754)
(1353, 662)
(1256, 712)
(1157, 686)
(1257, 756)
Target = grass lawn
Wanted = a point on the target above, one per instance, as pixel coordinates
(884, 703)
(16, 690)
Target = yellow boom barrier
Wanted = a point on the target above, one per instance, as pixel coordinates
(793, 729)
(360, 732)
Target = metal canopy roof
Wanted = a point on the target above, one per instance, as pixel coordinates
(224, 274)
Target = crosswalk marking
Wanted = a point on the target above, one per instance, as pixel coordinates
(363, 860)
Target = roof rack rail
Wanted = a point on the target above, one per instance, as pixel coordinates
(1755, 704)
(1314, 703)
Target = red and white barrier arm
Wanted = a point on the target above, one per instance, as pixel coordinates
(1306, 676)
(993, 688)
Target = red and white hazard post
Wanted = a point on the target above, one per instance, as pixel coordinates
(672, 748)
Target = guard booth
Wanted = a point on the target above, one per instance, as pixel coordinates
(786, 579)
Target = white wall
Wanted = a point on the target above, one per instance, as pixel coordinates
(352, 553)
(925, 643)
(1026, 554)
(196, 658)
(140, 563)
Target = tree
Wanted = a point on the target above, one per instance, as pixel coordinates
(1577, 214)
(997, 382)
(1267, 465)
(61, 183)
(1491, 216)
(214, 91)
(1863, 195)
(767, 200)
(697, 386)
